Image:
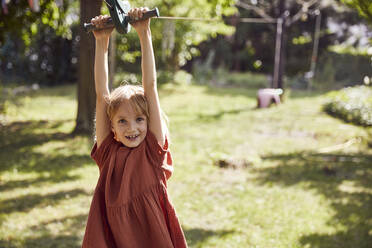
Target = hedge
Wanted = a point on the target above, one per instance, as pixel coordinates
(352, 104)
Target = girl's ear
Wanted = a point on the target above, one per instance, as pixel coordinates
(113, 130)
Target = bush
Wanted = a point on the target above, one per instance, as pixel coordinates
(352, 104)
(335, 70)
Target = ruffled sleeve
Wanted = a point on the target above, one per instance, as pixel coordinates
(102, 153)
(160, 156)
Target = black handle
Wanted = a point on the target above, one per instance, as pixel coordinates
(146, 15)
(88, 27)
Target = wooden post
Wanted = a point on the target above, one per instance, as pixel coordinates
(314, 55)
(278, 45)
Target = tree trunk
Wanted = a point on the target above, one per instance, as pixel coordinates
(86, 91)
(112, 60)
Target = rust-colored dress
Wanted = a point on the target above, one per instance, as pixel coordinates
(130, 206)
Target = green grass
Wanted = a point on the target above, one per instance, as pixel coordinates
(290, 195)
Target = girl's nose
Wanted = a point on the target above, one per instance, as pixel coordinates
(132, 126)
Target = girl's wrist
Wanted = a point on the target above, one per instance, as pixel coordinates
(144, 33)
(102, 43)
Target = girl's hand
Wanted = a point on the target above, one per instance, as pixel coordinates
(137, 13)
(98, 21)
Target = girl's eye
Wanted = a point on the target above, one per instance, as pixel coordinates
(122, 121)
(140, 119)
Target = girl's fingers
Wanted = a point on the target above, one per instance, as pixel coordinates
(99, 20)
(94, 20)
(137, 13)
(140, 12)
(133, 13)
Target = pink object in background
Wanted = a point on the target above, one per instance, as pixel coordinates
(4, 7)
(34, 5)
(267, 96)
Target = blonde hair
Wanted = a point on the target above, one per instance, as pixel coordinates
(135, 95)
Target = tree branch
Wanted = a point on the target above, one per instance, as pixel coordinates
(258, 10)
(304, 9)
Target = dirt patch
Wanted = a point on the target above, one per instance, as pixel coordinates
(233, 163)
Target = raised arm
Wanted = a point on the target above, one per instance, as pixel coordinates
(101, 79)
(149, 74)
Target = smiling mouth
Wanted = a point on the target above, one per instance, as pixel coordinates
(132, 137)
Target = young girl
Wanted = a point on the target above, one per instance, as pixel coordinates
(130, 206)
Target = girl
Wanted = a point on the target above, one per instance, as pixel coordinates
(130, 206)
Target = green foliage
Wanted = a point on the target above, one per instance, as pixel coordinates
(40, 46)
(353, 104)
(175, 45)
(183, 77)
(22, 22)
(252, 47)
(327, 72)
(364, 8)
(202, 70)
(49, 59)
(336, 70)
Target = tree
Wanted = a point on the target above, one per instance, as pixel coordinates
(21, 21)
(175, 41)
(364, 7)
(86, 91)
(27, 37)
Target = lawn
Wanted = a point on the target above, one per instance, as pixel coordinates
(305, 179)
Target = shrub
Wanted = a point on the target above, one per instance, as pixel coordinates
(352, 104)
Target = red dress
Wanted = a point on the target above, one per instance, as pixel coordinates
(130, 205)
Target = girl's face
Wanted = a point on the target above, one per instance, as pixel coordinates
(129, 127)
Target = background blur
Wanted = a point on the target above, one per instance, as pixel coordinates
(292, 175)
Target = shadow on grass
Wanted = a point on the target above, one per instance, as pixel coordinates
(326, 173)
(27, 202)
(69, 237)
(44, 234)
(17, 153)
(197, 236)
(219, 115)
(18, 135)
(14, 184)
